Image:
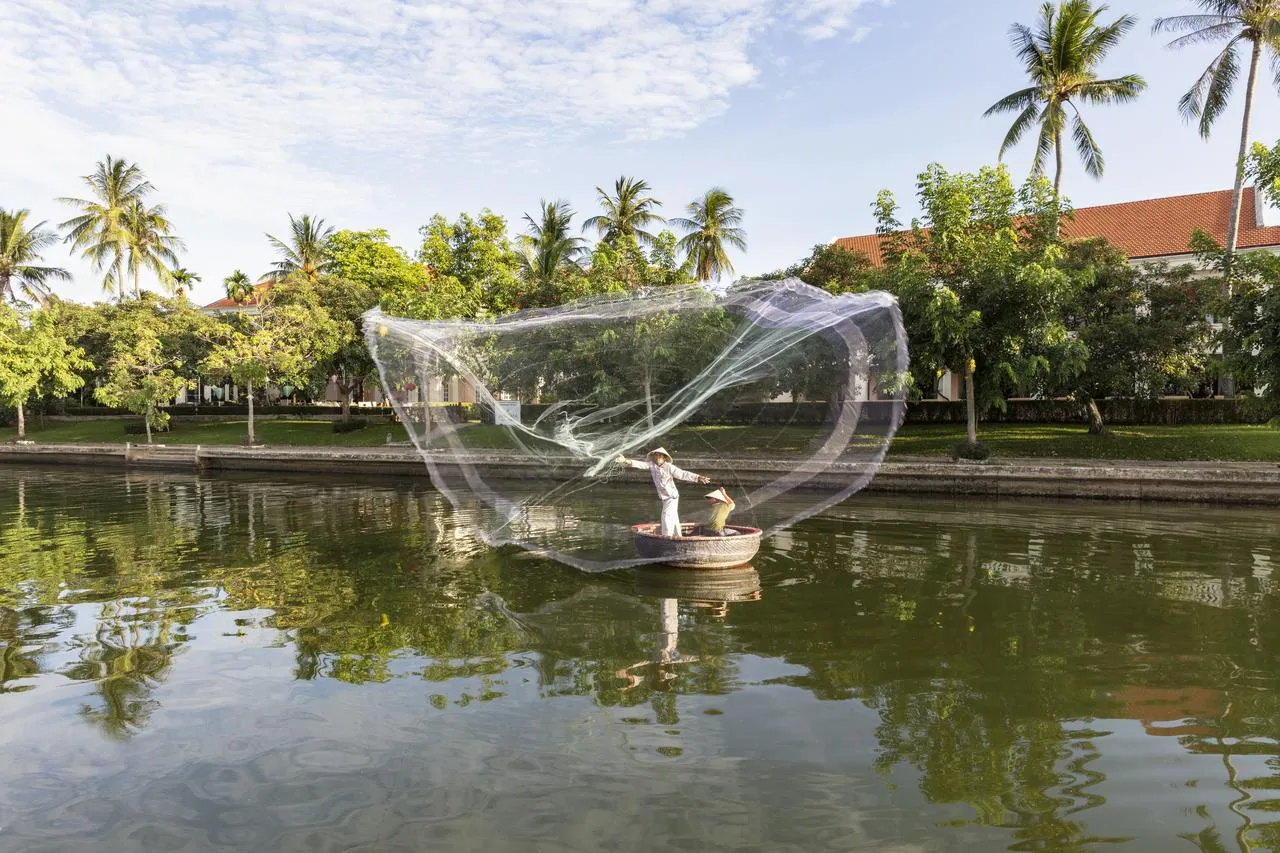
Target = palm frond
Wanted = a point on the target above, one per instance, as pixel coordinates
(1019, 128)
(1189, 23)
(1087, 148)
(1208, 97)
(1214, 33)
(1015, 102)
(1119, 90)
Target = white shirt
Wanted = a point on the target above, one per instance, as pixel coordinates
(664, 477)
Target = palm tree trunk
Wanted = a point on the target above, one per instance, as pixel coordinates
(249, 392)
(137, 289)
(120, 277)
(1057, 175)
(971, 407)
(22, 422)
(1233, 227)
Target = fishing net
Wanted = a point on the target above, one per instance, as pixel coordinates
(781, 393)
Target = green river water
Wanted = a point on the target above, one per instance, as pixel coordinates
(303, 665)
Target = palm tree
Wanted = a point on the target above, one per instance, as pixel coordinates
(20, 248)
(548, 244)
(626, 213)
(239, 288)
(98, 232)
(182, 279)
(1238, 22)
(1061, 57)
(150, 243)
(306, 250)
(712, 225)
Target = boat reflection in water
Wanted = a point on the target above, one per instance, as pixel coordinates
(714, 589)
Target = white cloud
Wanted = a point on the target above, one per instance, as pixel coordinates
(240, 102)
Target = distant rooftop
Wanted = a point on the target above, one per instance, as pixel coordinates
(228, 304)
(1148, 229)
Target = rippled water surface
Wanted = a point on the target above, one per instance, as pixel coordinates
(231, 664)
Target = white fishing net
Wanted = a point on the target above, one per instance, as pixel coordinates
(781, 393)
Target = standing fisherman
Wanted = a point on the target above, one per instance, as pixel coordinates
(665, 474)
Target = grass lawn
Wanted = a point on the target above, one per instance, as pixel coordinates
(1162, 443)
(278, 432)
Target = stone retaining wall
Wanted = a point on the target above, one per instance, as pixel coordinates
(1216, 482)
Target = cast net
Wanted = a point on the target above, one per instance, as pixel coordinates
(785, 395)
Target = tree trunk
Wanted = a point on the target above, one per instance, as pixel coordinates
(971, 407)
(249, 392)
(137, 283)
(1094, 414)
(345, 390)
(22, 422)
(1057, 175)
(648, 396)
(1233, 226)
(120, 276)
(146, 423)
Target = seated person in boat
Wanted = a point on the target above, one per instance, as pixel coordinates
(665, 473)
(721, 506)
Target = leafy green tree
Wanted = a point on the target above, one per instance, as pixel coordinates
(712, 227)
(548, 246)
(238, 287)
(21, 246)
(1252, 344)
(627, 213)
(472, 265)
(304, 250)
(339, 305)
(281, 343)
(145, 369)
(182, 280)
(1144, 327)
(151, 244)
(1061, 57)
(1250, 24)
(99, 232)
(35, 359)
(981, 266)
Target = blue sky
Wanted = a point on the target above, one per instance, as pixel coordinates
(383, 112)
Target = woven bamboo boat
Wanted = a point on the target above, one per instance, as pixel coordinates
(692, 551)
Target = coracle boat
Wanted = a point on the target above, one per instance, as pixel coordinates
(692, 551)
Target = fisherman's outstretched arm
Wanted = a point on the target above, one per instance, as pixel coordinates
(632, 463)
(686, 476)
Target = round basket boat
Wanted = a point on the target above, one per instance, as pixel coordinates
(692, 551)
(699, 586)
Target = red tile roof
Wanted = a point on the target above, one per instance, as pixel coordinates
(1152, 228)
(227, 304)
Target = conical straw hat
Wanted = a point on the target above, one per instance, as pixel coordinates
(720, 495)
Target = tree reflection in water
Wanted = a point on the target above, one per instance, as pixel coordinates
(1000, 650)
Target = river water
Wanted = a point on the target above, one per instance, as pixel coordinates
(301, 665)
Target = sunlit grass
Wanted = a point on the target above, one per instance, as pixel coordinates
(1232, 442)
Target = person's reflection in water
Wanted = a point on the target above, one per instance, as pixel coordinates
(667, 654)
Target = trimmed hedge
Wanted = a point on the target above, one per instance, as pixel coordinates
(350, 426)
(1170, 411)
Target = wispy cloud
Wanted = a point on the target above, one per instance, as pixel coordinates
(258, 98)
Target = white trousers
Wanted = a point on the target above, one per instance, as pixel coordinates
(670, 517)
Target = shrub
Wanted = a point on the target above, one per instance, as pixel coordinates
(141, 429)
(350, 426)
(978, 451)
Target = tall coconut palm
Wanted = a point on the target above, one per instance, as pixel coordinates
(1250, 24)
(150, 243)
(20, 248)
(239, 287)
(305, 250)
(98, 233)
(1061, 57)
(712, 226)
(548, 244)
(627, 213)
(182, 279)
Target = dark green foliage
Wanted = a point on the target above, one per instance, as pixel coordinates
(351, 425)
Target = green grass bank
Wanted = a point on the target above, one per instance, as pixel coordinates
(1226, 443)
